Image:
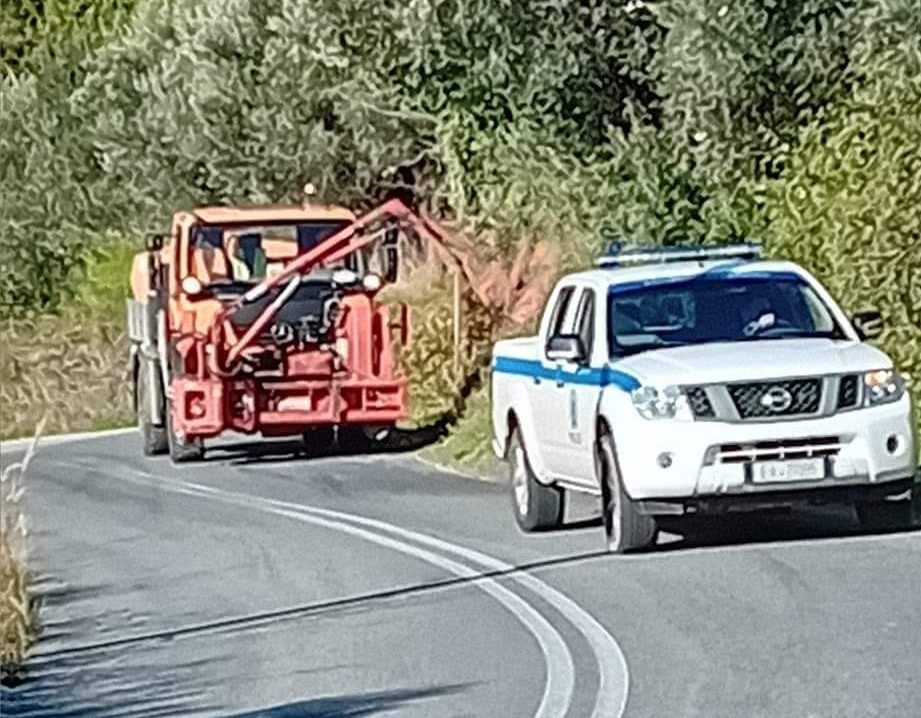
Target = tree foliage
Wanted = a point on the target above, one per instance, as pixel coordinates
(538, 120)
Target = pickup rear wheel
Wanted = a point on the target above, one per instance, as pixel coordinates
(153, 437)
(625, 528)
(537, 507)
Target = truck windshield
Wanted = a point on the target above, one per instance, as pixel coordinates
(222, 254)
(729, 308)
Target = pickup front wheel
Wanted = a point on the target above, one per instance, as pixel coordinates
(885, 515)
(625, 527)
(537, 507)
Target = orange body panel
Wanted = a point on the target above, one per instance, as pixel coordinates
(226, 377)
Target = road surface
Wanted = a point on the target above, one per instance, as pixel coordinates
(262, 583)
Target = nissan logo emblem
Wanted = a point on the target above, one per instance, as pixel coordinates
(776, 399)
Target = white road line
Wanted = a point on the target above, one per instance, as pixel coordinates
(53, 439)
(614, 677)
(560, 673)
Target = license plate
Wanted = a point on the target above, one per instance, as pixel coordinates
(794, 470)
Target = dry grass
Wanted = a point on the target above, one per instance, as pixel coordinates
(70, 367)
(18, 607)
(64, 368)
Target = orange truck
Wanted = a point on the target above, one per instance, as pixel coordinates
(266, 320)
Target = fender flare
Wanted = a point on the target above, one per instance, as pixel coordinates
(612, 404)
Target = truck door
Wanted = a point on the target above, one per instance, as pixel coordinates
(546, 390)
(580, 390)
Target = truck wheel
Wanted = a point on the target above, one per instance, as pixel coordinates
(319, 440)
(153, 437)
(537, 507)
(885, 515)
(353, 440)
(625, 527)
(182, 449)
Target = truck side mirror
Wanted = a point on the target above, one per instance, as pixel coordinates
(869, 325)
(154, 242)
(566, 347)
(391, 255)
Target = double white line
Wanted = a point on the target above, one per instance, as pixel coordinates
(611, 699)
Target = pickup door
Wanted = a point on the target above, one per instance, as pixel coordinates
(565, 397)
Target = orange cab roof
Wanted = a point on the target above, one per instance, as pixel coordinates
(272, 213)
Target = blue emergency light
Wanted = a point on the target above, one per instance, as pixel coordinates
(620, 255)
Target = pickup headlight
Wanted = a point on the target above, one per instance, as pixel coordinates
(883, 386)
(669, 403)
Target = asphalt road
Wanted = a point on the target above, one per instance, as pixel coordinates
(267, 584)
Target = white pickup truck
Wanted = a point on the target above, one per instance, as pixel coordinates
(679, 381)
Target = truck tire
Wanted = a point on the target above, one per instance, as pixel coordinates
(153, 437)
(537, 507)
(319, 440)
(363, 439)
(181, 449)
(885, 515)
(625, 528)
(353, 440)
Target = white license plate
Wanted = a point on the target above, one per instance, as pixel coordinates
(794, 470)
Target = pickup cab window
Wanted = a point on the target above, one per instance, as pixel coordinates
(678, 312)
(585, 321)
(559, 313)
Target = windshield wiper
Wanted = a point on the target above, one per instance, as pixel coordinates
(789, 334)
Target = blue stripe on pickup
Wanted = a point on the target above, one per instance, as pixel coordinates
(585, 375)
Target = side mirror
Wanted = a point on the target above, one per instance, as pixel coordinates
(153, 242)
(391, 255)
(566, 347)
(869, 325)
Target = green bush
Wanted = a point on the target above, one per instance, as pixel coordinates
(526, 122)
(849, 207)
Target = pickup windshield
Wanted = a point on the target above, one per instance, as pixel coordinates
(727, 308)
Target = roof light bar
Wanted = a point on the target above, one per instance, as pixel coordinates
(619, 255)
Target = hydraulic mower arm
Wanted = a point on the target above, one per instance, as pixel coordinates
(366, 229)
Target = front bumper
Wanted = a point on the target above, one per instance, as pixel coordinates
(205, 408)
(863, 447)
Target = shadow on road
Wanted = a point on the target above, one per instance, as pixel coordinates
(349, 706)
(261, 451)
(698, 533)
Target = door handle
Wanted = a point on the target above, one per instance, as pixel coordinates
(537, 380)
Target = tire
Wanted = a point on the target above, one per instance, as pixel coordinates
(362, 439)
(537, 507)
(885, 515)
(181, 449)
(625, 528)
(319, 440)
(153, 438)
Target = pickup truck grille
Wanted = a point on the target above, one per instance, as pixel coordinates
(848, 391)
(700, 403)
(758, 400)
(775, 400)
